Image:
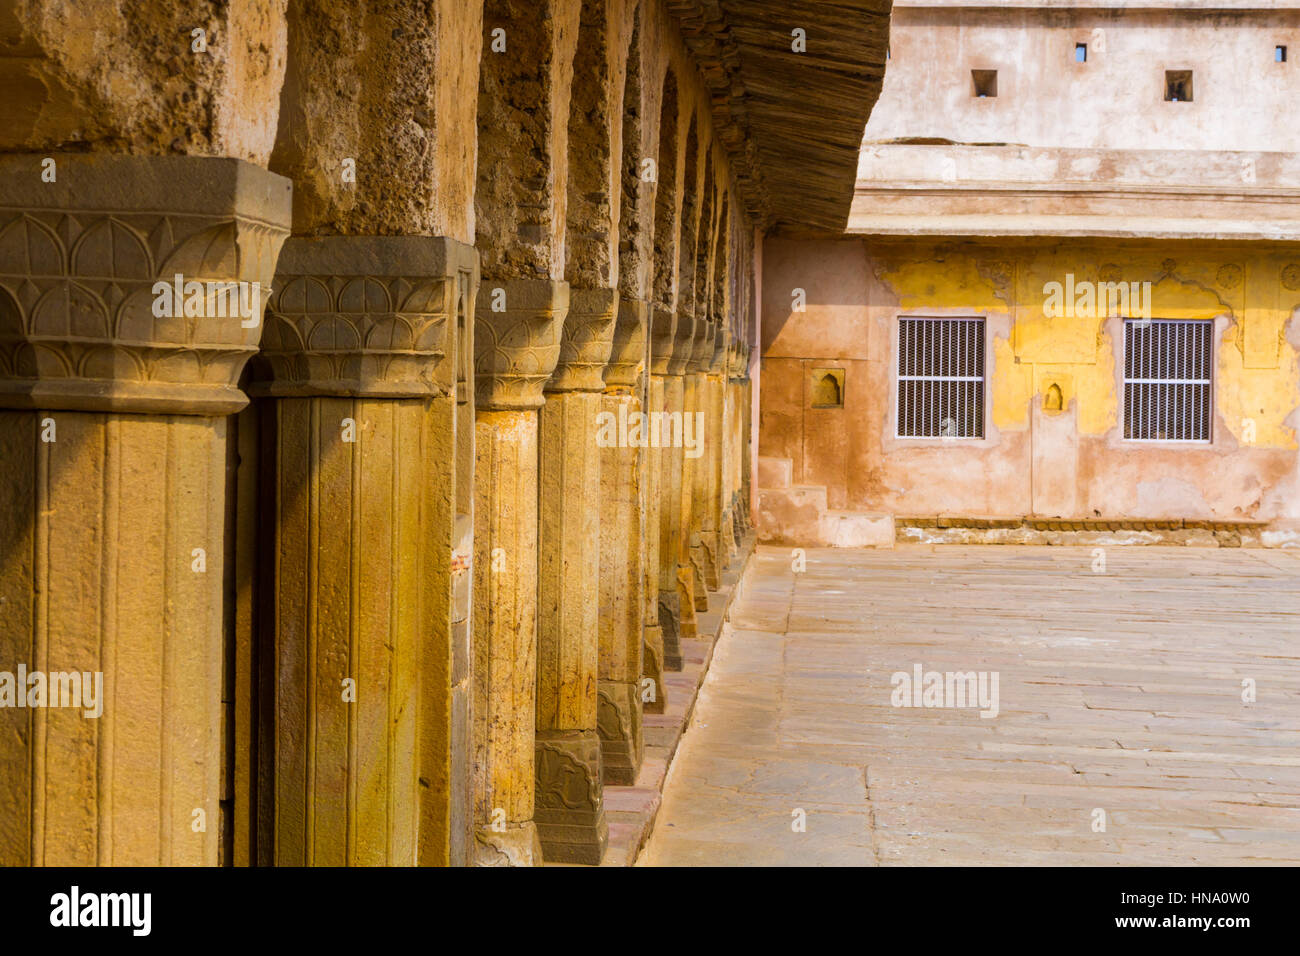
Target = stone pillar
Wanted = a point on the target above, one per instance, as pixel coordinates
(361, 425)
(744, 509)
(676, 590)
(665, 394)
(659, 339)
(569, 810)
(732, 518)
(695, 463)
(516, 346)
(622, 537)
(715, 555)
(112, 492)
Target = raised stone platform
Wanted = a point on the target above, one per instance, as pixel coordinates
(1093, 531)
(800, 516)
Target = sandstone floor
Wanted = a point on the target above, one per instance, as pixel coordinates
(1119, 690)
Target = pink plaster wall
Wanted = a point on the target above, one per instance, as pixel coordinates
(1043, 469)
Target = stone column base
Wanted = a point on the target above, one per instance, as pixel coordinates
(698, 562)
(670, 628)
(711, 563)
(515, 845)
(567, 805)
(686, 624)
(652, 666)
(618, 722)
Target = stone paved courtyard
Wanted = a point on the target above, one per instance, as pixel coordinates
(1119, 690)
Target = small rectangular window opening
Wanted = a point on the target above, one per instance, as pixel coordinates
(1178, 86)
(984, 83)
(1081, 53)
(1279, 54)
(1168, 379)
(940, 378)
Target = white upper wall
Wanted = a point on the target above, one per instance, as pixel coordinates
(1242, 99)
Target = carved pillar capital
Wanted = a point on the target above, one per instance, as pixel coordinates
(738, 362)
(702, 349)
(134, 283)
(683, 344)
(627, 354)
(586, 341)
(663, 336)
(721, 346)
(364, 316)
(517, 328)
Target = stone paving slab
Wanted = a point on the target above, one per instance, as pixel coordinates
(1119, 690)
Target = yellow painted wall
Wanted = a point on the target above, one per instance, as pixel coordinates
(1256, 379)
(1034, 460)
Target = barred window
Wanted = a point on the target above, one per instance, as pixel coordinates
(1167, 383)
(940, 378)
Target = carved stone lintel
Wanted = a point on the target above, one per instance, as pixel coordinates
(517, 328)
(627, 355)
(663, 334)
(568, 806)
(364, 316)
(586, 341)
(88, 265)
(683, 344)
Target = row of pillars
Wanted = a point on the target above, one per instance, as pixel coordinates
(406, 608)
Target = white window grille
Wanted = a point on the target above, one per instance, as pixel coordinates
(1168, 365)
(940, 378)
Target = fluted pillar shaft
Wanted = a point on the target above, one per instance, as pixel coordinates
(114, 384)
(652, 628)
(666, 362)
(360, 416)
(695, 465)
(517, 333)
(676, 583)
(715, 556)
(569, 808)
(731, 458)
(622, 536)
(744, 417)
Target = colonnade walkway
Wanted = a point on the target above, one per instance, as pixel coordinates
(1124, 729)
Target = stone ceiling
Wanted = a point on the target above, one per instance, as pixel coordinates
(791, 122)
